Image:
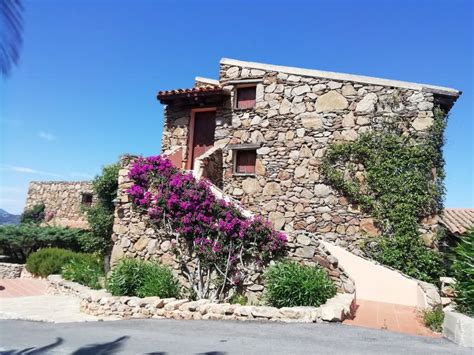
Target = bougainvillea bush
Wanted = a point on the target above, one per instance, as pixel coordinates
(214, 243)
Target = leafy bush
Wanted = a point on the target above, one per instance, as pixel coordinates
(100, 216)
(132, 277)
(18, 242)
(33, 215)
(86, 269)
(289, 284)
(49, 261)
(212, 233)
(463, 267)
(433, 319)
(238, 298)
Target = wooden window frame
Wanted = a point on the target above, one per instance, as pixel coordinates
(236, 96)
(83, 198)
(235, 152)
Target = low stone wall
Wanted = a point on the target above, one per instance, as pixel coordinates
(62, 199)
(10, 271)
(101, 303)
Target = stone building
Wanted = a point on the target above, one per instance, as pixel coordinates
(63, 201)
(260, 132)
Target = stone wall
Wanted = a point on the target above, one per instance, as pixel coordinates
(134, 237)
(103, 304)
(11, 271)
(62, 200)
(295, 119)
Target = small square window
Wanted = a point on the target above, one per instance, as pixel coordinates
(246, 97)
(245, 161)
(86, 199)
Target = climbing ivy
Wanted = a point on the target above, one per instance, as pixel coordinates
(397, 177)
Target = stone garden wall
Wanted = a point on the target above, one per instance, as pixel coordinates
(133, 237)
(103, 304)
(62, 200)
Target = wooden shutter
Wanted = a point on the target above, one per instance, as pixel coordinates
(245, 161)
(246, 97)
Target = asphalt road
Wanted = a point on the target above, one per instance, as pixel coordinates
(163, 336)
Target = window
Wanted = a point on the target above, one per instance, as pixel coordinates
(245, 161)
(246, 97)
(87, 199)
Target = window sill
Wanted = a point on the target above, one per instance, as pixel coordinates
(245, 174)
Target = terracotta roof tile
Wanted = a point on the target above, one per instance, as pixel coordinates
(458, 220)
(191, 91)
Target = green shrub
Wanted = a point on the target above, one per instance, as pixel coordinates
(34, 214)
(18, 242)
(100, 216)
(133, 277)
(463, 269)
(86, 269)
(433, 319)
(238, 298)
(49, 261)
(290, 284)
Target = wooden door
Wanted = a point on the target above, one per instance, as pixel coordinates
(203, 135)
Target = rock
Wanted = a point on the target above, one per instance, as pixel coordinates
(265, 312)
(259, 167)
(117, 254)
(257, 72)
(256, 121)
(300, 172)
(306, 252)
(237, 192)
(459, 328)
(334, 85)
(422, 123)
(255, 288)
(311, 120)
(331, 101)
(300, 132)
(348, 120)
(263, 150)
(232, 72)
(285, 107)
(300, 107)
(349, 135)
(173, 305)
(362, 120)
(165, 246)
(277, 219)
(141, 243)
(332, 312)
(348, 90)
(367, 226)
(257, 137)
(272, 189)
(300, 90)
(425, 106)
(251, 186)
(303, 239)
(428, 239)
(367, 104)
(322, 190)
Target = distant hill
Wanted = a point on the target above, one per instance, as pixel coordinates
(7, 218)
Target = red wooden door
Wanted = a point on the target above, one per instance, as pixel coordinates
(203, 135)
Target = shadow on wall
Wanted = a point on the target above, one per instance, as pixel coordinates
(109, 348)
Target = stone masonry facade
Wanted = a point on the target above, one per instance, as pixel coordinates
(63, 201)
(297, 115)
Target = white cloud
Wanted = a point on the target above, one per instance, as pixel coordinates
(46, 136)
(21, 169)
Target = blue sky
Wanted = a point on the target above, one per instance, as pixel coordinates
(84, 92)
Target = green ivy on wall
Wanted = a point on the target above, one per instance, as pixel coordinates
(397, 177)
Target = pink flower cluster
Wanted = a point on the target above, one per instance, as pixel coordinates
(215, 228)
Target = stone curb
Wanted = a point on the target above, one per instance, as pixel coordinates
(102, 303)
